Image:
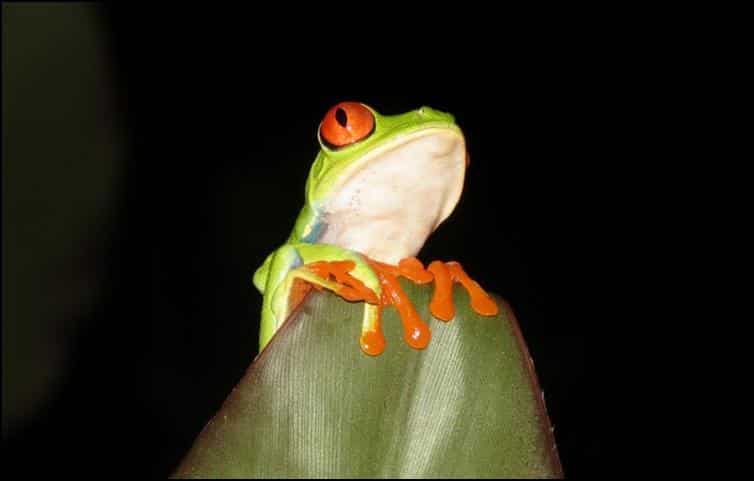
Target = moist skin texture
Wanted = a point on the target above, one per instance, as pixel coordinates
(390, 205)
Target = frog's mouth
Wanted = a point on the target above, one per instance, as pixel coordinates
(397, 195)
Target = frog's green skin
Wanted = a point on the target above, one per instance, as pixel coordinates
(381, 196)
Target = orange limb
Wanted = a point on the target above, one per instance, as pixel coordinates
(441, 305)
(319, 268)
(481, 302)
(415, 330)
(341, 270)
(350, 288)
(382, 267)
(412, 268)
(372, 341)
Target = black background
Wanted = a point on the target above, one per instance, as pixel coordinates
(221, 120)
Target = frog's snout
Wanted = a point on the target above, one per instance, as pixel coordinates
(430, 113)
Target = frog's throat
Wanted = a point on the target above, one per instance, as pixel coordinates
(391, 200)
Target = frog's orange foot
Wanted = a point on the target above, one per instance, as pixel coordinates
(415, 330)
(445, 274)
(349, 287)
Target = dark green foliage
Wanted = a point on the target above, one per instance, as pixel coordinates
(313, 405)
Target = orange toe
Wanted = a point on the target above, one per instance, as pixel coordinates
(441, 305)
(415, 330)
(372, 341)
(412, 268)
(481, 302)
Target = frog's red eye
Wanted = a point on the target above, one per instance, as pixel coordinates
(346, 123)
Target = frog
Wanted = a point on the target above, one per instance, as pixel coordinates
(379, 186)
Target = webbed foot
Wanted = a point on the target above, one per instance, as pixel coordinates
(445, 274)
(335, 275)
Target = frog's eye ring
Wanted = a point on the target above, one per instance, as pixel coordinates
(345, 124)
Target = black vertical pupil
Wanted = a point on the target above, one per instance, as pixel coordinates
(341, 117)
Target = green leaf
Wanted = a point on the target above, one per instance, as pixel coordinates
(313, 405)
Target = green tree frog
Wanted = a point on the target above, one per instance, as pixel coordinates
(379, 186)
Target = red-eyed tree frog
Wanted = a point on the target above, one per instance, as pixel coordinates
(379, 186)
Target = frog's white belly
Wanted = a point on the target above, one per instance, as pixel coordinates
(392, 202)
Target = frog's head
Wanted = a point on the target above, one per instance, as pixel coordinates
(382, 184)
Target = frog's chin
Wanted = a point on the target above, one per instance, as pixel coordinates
(397, 195)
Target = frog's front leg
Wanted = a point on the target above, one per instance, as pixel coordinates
(313, 263)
